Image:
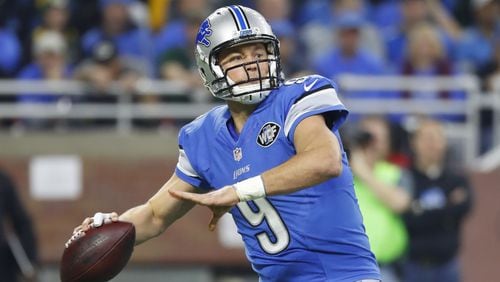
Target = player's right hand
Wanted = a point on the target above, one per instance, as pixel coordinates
(103, 218)
(92, 222)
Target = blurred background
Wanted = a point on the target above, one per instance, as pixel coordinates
(93, 93)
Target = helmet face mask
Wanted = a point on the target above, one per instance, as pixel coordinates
(234, 26)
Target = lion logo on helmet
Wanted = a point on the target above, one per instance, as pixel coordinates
(203, 33)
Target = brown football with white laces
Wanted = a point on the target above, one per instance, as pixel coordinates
(100, 254)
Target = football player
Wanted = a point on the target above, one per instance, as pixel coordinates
(272, 157)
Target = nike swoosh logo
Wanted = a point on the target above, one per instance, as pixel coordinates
(308, 87)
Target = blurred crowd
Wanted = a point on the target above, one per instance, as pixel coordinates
(413, 212)
(122, 39)
(113, 44)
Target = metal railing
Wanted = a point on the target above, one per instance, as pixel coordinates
(125, 110)
(468, 129)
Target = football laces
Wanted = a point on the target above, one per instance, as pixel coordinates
(74, 237)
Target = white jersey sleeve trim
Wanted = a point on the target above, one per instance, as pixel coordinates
(185, 166)
(322, 99)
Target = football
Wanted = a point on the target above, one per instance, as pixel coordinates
(99, 255)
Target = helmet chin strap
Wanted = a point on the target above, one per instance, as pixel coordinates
(252, 98)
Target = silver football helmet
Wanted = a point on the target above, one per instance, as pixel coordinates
(231, 26)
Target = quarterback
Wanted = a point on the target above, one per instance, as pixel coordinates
(272, 157)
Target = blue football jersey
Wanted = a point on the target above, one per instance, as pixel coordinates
(315, 234)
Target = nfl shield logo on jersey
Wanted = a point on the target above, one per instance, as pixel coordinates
(268, 134)
(237, 154)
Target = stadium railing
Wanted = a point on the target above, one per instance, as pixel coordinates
(466, 129)
(126, 109)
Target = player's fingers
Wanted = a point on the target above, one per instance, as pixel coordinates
(212, 224)
(114, 217)
(81, 228)
(87, 221)
(214, 221)
(110, 217)
(84, 226)
(217, 213)
(77, 229)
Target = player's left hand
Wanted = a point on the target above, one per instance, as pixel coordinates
(219, 201)
(224, 197)
(91, 222)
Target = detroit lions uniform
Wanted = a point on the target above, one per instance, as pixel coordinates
(314, 234)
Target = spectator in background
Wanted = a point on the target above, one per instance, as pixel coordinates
(441, 200)
(85, 15)
(55, 16)
(49, 51)
(291, 60)
(477, 46)
(109, 78)
(414, 12)
(11, 45)
(385, 14)
(177, 35)
(426, 58)
(107, 73)
(50, 63)
(425, 54)
(490, 73)
(317, 35)
(490, 77)
(10, 52)
(178, 63)
(381, 191)
(349, 57)
(278, 13)
(118, 27)
(140, 15)
(311, 12)
(10, 59)
(174, 47)
(369, 34)
(14, 222)
(19, 17)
